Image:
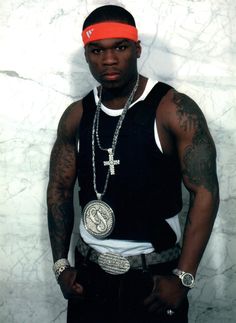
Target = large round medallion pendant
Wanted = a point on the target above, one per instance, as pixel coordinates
(98, 219)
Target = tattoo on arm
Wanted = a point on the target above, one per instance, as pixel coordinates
(199, 157)
(60, 225)
(60, 199)
(60, 193)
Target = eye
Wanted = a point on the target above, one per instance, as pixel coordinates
(121, 48)
(96, 51)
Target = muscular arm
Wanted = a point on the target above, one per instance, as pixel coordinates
(182, 128)
(198, 163)
(61, 184)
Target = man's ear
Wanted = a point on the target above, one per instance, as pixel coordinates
(138, 48)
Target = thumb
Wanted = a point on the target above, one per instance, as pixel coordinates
(78, 288)
(156, 280)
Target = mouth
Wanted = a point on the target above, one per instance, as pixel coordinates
(111, 76)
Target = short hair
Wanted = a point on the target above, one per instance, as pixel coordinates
(109, 13)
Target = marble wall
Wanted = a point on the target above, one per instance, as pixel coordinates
(190, 44)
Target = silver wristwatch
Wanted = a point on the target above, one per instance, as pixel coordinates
(187, 279)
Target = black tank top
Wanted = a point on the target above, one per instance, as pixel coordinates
(146, 188)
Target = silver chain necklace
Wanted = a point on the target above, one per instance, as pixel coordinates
(98, 217)
(111, 151)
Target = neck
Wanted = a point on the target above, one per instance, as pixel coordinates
(115, 98)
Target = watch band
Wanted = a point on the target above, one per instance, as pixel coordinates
(178, 272)
(187, 279)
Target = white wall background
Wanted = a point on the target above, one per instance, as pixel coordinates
(190, 44)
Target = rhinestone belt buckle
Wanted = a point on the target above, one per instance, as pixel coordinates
(113, 264)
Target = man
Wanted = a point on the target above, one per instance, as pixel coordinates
(131, 142)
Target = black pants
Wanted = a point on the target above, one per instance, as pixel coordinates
(118, 298)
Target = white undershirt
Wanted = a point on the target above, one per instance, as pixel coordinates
(127, 247)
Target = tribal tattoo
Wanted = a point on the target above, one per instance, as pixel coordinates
(60, 193)
(199, 157)
(60, 225)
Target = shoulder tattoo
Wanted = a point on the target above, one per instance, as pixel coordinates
(199, 156)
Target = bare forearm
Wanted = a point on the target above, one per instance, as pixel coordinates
(60, 226)
(198, 229)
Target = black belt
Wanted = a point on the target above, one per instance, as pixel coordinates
(109, 261)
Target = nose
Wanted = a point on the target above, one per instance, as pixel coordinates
(109, 57)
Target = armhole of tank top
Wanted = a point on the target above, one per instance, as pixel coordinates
(156, 135)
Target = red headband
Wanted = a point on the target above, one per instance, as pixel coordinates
(105, 30)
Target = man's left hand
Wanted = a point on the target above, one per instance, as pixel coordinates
(168, 293)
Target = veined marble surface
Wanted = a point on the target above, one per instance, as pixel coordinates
(190, 44)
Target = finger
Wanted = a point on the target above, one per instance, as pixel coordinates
(74, 296)
(153, 305)
(156, 283)
(150, 299)
(77, 288)
(156, 280)
(156, 308)
(75, 292)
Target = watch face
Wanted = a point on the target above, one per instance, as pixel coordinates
(188, 280)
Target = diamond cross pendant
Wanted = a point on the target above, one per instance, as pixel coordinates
(111, 162)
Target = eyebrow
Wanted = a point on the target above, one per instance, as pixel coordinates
(119, 42)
